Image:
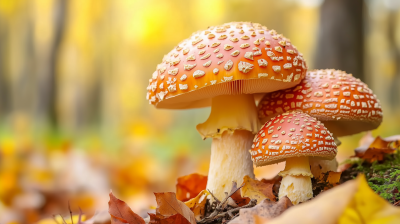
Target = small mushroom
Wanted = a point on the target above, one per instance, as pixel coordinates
(293, 137)
(343, 103)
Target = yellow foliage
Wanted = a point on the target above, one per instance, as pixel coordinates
(197, 204)
(59, 219)
(367, 207)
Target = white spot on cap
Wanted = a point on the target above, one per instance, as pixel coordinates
(198, 74)
(262, 62)
(216, 70)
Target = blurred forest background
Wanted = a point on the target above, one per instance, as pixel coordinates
(74, 121)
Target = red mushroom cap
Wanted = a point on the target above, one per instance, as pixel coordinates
(234, 58)
(289, 135)
(345, 104)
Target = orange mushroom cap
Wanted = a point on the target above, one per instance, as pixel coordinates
(345, 104)
(234, 58)
(289, 135)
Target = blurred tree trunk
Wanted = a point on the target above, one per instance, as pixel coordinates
(48, 84)
(4, 92)
(394, 92)
(340, 40)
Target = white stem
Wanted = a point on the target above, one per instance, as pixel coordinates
(230, 161)
(232, 124)
(296, 181)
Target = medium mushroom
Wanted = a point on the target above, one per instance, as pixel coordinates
(343, 103)
(294, 137)
(223, 67)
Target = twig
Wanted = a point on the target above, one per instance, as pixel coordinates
(252, 203)
(234, 217)
(214, 196)
(70, 212)
(228, 196)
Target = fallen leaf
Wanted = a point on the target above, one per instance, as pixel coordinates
(174, 219)
(168, 205)
(237, 197)
(276, 181)
(120, 212)
(368, 207)
(265, 210)
(334, 177)
(367, 140)
(197, 204)
(190, 186)
(376, 150)
(255, 189)
(351, 202)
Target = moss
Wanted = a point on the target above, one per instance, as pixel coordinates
(383, 177)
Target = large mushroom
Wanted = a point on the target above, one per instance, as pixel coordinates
(343, 103)
(223, 67)
(294, 137)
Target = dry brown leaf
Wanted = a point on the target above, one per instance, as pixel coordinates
(174, 219)
(366, 141)
(190, 186)
(376, 151)
(255, 189)
(266, 210)
(237, 197)
(120, 212)
(168, 205)
(378, 148)
(274, 180)
(197, 204)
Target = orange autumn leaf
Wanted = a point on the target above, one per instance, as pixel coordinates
(120, 212)
(168, 205)
(198, 204)
(174, 219)
(237, 197)
(376, 150)
(190, 186)
(255, 189)
(334, 177)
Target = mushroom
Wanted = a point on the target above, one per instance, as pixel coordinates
(343, 103)
(294, 137)
(223, 67)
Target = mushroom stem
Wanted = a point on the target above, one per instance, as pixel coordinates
(230, 113)
(230, 161)
(296, 181)
(232, 124)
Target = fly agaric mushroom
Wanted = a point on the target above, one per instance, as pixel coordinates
(223, 67)
(294, 137)
(343, 103)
